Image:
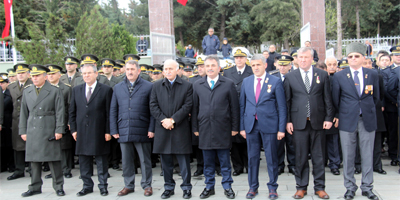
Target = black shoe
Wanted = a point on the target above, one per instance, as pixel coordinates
(237, 172)
(198, 173)
(83, 192)
(219, 173)
(103, 191)
(187, 194)
(108, 175)
(380, 171)
(14, 176)
(349, 195)
(60, 192)
(162, 173)
(11, 170)
(229, 193)
(357, 171)
(292, 170)
(370, 195)
(69, 175)
(207, 193)
(335, 171)
(115, 166)
(167, 194)
(46, 168)
(394, 163)
(48, 176)
(153, 165)
(30, 193)
(281, 170)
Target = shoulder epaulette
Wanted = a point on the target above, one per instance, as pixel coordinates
(274, 72)
(12, 82)
(226, 68)
(394, 67)
(27, 86)
(193, 76)
(55, 85)
(383, 68)
(67, 85)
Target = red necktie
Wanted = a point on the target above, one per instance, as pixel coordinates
(258, 90)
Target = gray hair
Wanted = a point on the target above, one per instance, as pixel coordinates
(258, 57)
(90, 65)
(330, 57)
(171, 61)
(211, 28)
(212, 57)
(133, 62)
(305, 49)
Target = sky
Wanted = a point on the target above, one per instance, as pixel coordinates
(121, 3)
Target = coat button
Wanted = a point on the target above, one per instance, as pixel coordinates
(129, 108)
(34, 118)
(130, 98)
(86, 106)
(87, 115)
(40, 108)
(87, 124)
(40, 117)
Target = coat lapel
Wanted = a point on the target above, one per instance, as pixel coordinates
(32, 94)
(301, 83)
(136, 89)
(366, 77)
(250, 88)
(314, 79)
(218, 83)
(235, 75)
(351, 81)
(96, 90)
(264, 87)
(43, 93)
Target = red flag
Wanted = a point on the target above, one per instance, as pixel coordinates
(7, 8)
(183, 2)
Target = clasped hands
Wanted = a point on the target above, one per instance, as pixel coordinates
(167, 123)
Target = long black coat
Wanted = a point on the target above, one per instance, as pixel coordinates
(6, 138)
(91, 119)
(67, 139)
(174, 102)
(215, 113)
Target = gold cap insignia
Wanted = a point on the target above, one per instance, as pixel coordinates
(51, 67)
(130, 58)
(106, 62)
(283, 57)
(87, 58)
(344, 62)
(69, 59)
(34, 69)
(20, 67)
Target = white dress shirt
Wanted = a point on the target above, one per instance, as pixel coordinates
(209, 80)
(92, 86)
(309, 74)
(282, 77)
(240, 70)
(256, 82)
(360, 77)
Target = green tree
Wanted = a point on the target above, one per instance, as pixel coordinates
(137, 17)
(127, 41)
(94, 35)
(113, 13)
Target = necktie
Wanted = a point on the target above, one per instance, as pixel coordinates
(258, 90)
(37, 91)
(89, 94)
(307, 84)
(69, 79)
(212, 84)
(240, 73)
(131, 88)
(357, 82)
(283, 77)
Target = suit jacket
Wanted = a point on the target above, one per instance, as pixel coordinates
(41, 117)
(270, 107)
(16, 94)
(91, 119)
(64, 79)
(321, 108)
(348, 102)
(215, 113)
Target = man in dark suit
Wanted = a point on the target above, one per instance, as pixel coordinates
(7, 156)
(133, 126)
(355, 93)
(42, 125)
(237, 74)
(262, 122)
(89, 113)
(215, 118)
(310, 111)
(283, 65)
(170, 104)
(16, 90)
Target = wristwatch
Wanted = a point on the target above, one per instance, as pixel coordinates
(173, 121)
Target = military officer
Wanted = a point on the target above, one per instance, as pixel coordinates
(42, 125)
(16, 88)
(67, 159)
(143, 72)
(71, 64)
(180, 71)
(91, 59)
(117, 70)
(12, 76)
(188, 70)
(107, 66)
(122, 63)
(157, 72)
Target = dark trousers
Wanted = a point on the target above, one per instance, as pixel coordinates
(36, 180)
(377, 151)
(67, 161)
(239, 156)
(269, 141)
(209, 167)
(332, 148)
(167, 161)
(86, 169)
(115, 152)
(19, 157)
(7, 158)
(199, 157)
(392, 130)
(286, 143)
(308, 141)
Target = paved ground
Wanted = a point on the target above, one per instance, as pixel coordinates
(387, 187)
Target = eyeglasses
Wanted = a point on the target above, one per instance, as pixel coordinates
(353, 56)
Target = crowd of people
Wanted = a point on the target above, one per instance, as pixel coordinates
(287, 105)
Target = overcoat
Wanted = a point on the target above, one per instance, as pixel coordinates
(64, 79)
(172, 101)
(91, 119)
(6, 133)
(41, 117)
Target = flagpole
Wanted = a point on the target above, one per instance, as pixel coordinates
(13, 35)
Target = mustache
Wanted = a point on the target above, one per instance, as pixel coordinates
(210, 70)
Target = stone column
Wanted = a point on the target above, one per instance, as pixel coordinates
(161, 17)
(314, 12)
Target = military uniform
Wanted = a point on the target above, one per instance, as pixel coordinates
(143, 73)
(16, 91)
(64, 78)
(43, 115)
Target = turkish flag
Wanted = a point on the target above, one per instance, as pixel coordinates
(7, 9)
(183, 2)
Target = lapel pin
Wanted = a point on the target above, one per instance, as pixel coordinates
(266, 80)
(315, 74)
(269, 88)
(348, 75)
(318, 80)
(366, 75)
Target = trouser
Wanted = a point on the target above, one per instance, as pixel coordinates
(286, 143)
(86, 169)
(36, 180)
(209, 167)
(167, 161)
(239, 156)
(19, 157)
(332, 147)
(377, 151)
(66, 161)
(115, 152)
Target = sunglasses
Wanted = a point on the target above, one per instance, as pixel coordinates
(353, 56)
